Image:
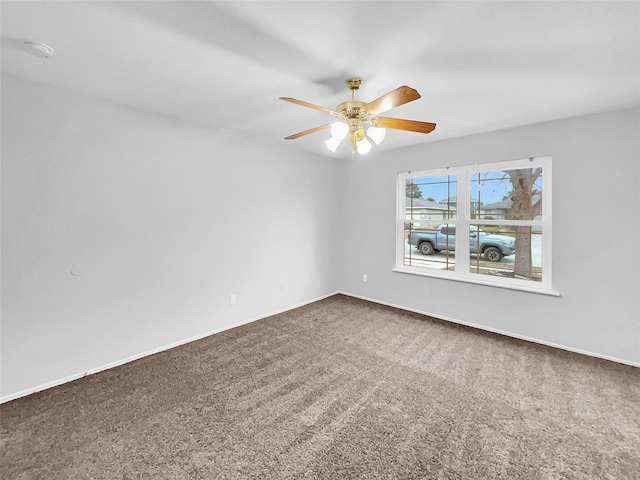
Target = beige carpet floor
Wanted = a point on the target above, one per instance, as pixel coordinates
(337, 389)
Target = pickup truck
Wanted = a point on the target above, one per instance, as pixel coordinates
(492, 246)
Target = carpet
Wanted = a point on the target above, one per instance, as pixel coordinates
(337, 389)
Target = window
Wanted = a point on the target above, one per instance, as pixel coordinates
(504, 209)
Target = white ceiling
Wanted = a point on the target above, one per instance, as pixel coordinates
(479, 66)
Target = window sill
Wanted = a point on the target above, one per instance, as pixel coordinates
(510, 286)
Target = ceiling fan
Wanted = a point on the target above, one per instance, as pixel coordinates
(360, 120)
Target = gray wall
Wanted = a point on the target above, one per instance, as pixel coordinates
(167, 220)
(596, 236)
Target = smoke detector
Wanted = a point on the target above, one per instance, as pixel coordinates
(38, 49)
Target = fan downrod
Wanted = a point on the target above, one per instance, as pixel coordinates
(354, 84)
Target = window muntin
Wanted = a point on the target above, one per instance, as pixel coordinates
(505, 207)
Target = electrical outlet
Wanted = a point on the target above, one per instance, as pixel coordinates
(365, 279)
(282, 287)
(232, 299)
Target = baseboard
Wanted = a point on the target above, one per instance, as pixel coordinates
(132, 358)
(494, 330)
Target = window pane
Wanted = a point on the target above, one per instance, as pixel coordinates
(431, 198)
(506, 251)
(428, 246)
(514, 194)
(430, 202)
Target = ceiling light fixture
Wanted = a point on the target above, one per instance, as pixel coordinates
(332, 143)
(376, 134)
(360, 120)
(355, 122)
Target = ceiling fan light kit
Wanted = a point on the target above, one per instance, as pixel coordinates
(332, 143)
(376, 134)
(359, 119)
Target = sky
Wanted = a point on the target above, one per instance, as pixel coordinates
(489, 186)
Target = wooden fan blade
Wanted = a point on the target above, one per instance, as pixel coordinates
(307, 132)
(400, 124)
(395, 98)
(309, 105)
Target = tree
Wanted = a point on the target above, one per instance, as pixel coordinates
(413, 190)
(523, 208)
(431, 199)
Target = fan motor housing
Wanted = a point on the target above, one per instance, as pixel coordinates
(352, 109)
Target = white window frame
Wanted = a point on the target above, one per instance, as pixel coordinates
(463, 223)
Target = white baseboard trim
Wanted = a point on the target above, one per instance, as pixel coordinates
(501, 332)
(132, 358)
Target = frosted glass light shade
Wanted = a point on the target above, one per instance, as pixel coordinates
(332, 143)
(376, 134)
(363, 146)
(339, 130)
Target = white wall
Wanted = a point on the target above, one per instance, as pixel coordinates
(596, 237)
(166, 219)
